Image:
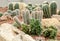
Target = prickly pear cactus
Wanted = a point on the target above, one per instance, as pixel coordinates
(37, 14)
(16, 6)
(26, 16)
(46, 11)
(11, 6)
(53, 8)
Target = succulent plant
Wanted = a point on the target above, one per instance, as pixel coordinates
(46, 11)
(45, 2)
(35, 27)
(1, 14)
(11, 6)
(26, 16)
(37, 14)
(16, 6)
(50, 32)
(53, 8)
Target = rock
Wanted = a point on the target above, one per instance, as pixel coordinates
(56, 16)
(51, 22)
(27, 38)
(8, 32)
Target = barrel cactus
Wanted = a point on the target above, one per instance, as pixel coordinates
(11, 6)
(25, 15)
(46, 11)
(16, 6)
(53, 8)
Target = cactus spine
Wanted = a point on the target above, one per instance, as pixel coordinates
(45, 2)
(53, 8)
(16, 6)
(26, 16)
(11, 6)
(46, 11)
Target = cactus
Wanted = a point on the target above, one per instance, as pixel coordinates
(11, 6)
(26, 17)
(38, 14)
(17, 21)
(46, 11)
(59, 12)
(1, 14)
(53, 8)
(16, 6)
(45, 2)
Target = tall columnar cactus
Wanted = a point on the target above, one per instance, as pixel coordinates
(37, 14)
(26, 17)
(53, 8)
(18, 21)
(46, 11)
(11, 6)
(16, 6)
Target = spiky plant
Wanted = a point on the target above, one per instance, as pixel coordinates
(16, 6)
(37, 14)
(11, 6)
(1, 14)
(53, 8)
(45, 2)
(46, 11)
(26, 16)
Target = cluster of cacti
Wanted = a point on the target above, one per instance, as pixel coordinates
(14, 12)
(11, 6)
(53, 8)
(46, 11)
(16, 6)
(30, 7)
(26, 16)
(37, 14)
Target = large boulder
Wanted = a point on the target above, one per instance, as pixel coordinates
(56, 16)
(51, 22)
(11, 33)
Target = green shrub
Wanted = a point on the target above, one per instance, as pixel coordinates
(50, 32)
